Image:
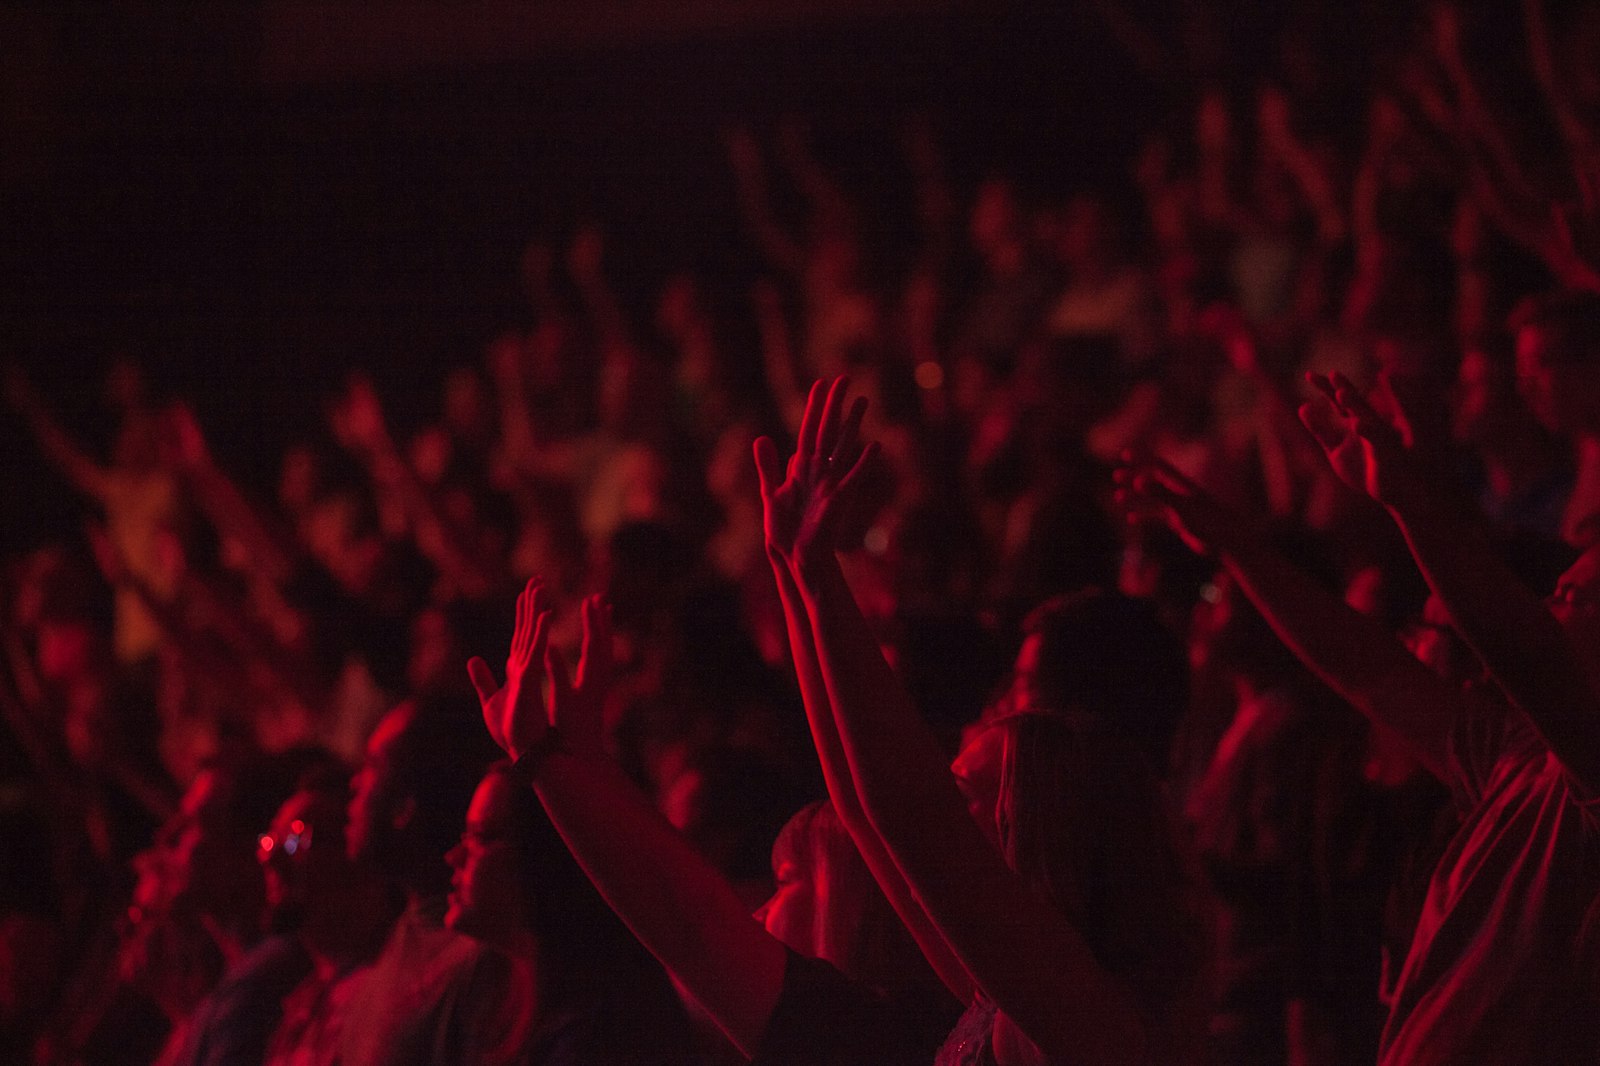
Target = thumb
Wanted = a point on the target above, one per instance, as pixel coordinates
(482, 679)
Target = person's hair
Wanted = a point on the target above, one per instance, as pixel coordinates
(1081, 813)
(585, 951)
(438, 760)
(255, 784)
(1109, 656)
(861, 934)
(1570, 319)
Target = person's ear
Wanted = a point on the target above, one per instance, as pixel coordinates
(404, 813)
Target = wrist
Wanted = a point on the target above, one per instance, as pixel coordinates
(527, 764)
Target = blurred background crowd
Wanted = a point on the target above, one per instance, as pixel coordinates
(270, 474)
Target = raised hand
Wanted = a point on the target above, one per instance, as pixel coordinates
(805, 507)
(1366, 452)
(515, 713)
(577, 705)
(1153, 490)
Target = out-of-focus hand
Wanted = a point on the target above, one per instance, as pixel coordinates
(577, 704)
(1151, 490)
(184, 437)
(357, 418)
(1366, 452)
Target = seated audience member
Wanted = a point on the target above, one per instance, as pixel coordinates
(337, 910)
(424, 999)
(201, 914)
(577, 987)
(769, 982)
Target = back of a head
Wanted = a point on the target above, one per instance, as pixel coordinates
(1109, 656)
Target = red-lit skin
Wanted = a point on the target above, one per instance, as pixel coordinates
(486, 896)
(799, 905)
(977, 772)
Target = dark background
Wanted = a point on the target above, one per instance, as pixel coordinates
(252, 199)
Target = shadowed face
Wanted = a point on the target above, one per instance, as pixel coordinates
(375, 803)
(798, 908)
(1560, 387)
(977, 772)
(1576, 605)
(302, 853)
(486, 891)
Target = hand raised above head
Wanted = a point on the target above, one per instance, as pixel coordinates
(1150, 489)
(1365, 451)
(807, 506)
(515, 714)
(577, 704)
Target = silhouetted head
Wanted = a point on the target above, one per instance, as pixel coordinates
(410, 796)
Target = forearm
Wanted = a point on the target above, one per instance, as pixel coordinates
(897, 767)
(1021, 952)
(675, 902)
(842, 791)
(1353, 654)
(1519, 641)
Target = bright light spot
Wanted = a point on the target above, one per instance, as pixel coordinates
(930, 375)
(265, 842)
(877, 540)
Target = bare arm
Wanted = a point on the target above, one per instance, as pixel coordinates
(1020, 951)
(1353, 654)
(1519, 641)
(674, 901)
(778, 498)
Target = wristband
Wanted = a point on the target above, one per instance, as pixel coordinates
(527, 765)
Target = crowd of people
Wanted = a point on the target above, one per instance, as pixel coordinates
(1167, 631)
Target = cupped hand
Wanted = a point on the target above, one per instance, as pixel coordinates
(805, 507)
(1366, 452)
(515, 713)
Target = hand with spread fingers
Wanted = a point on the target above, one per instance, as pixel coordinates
(806, 506)
(515, 713)
(1153, 490)
(1366, 452)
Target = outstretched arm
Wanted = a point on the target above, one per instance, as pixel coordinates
(1352, 653)
(1020, 951)
(675, 902)
(781, 491)
(1522, 645)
